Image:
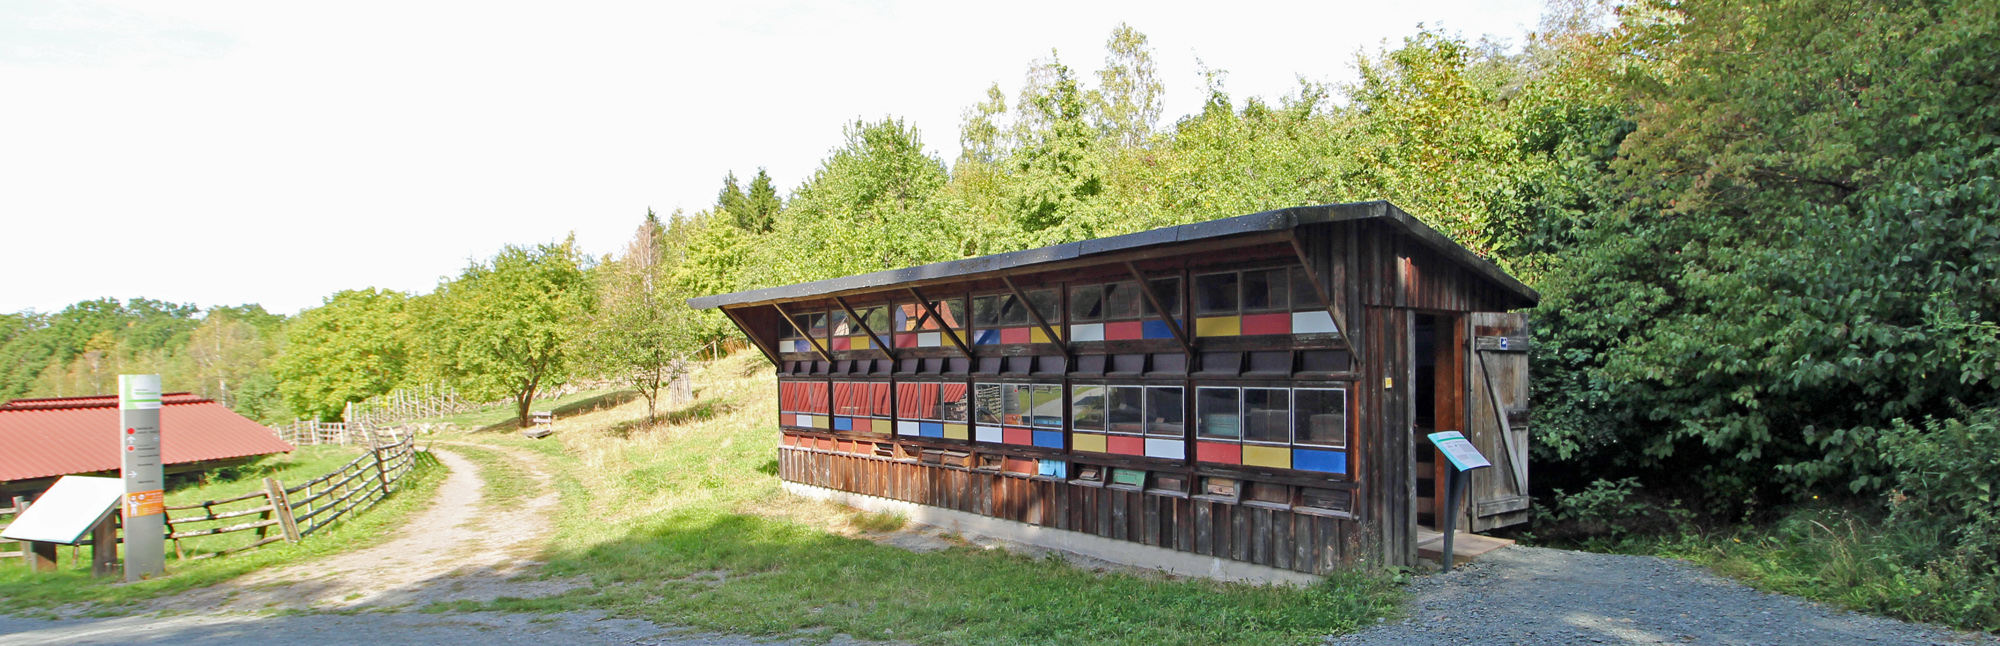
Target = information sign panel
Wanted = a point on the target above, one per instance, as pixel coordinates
(67, 511)
(1459, 450)
(145, 495)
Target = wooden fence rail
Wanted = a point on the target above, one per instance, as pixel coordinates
(300, 510)
(20, 550)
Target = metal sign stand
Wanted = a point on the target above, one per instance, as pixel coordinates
(1464, 457)
(145, 486)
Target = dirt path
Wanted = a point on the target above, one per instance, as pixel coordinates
(454, 550)
(1526, 595)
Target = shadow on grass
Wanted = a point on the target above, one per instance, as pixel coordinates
(751, 574)
(612, 399)
(700, 411)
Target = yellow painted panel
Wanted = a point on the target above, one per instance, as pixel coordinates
(1035, 335)
(1219, 326)
(956, 432)
(822, 421)
(1087, 442)
(1276, 457)
(858, 343)
(884, 426)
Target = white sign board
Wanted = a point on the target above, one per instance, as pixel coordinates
(67, 511)
(1459, 450)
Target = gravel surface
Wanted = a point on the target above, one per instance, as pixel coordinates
(1527, 595)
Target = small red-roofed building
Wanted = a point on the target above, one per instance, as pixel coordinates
(44, 439)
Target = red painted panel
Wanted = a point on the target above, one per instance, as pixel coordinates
(1124, 331)
(1218, 452)
(1015, 335)
(906, 340)
(1019, 465)
(1125, 444)
(1279, 323)
(842, 343)
(1017, 436)
(788, 419)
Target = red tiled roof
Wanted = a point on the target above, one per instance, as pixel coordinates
(51, 437)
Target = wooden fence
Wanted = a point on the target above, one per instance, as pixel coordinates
(280, 513)
(18, 549)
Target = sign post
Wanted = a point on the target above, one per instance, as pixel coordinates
(1464, 457)
(145, 483)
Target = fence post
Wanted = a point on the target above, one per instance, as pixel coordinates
(282, 504)
(104, 547)
(380, 476)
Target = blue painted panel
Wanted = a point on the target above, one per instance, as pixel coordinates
(986, 337)
(843, 423)
(1053, 468)
(930, 429)
(1157, 330)
(1322, 461)
(1049, 439)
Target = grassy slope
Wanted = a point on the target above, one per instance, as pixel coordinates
(683, 522)
(23, 590)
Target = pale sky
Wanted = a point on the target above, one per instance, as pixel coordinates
(222, 152)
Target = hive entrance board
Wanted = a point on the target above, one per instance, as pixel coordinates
(68, 511)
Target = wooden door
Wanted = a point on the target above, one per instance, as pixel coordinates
(1496, 415)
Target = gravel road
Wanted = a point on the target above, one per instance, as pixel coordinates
(1527, 595)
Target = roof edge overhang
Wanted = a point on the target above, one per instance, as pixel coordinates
(1267, 221)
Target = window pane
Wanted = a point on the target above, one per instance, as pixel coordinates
(1121, 301)
(1086, 303)
(927, 402)
(1264, 290)
(986, 311)
(1164, 412)
(1127, 409)
(986, 397)
(877, 319)
(802, 321)
(953, 313)
(952, 402)
(909, 401)
(1048, 405)
(1217, 410)
(1012, 312)
(1215, 294)
(1048, 303)
(1321, 416)
(1086, 407)
(1015, 411)
(840, 324)
(1304, 297)
(1168, 290)
(818, 327)
(1266, 415)
(906, 315)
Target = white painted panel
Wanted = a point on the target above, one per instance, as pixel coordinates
(1170, 449)
(67, 511)
(906, 428)
(1313, 323)
(987, 434)
(930, 339)
(1087, 332)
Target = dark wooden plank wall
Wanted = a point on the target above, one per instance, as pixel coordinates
(1274, 537)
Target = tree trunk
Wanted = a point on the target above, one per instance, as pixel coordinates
(522, 403)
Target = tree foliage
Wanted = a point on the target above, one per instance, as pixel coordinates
(355, 346)
(505, 327)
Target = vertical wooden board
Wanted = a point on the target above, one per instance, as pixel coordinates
(1119, 524)
(1135, 517)
(1260, 536)
(1281, 539)
(1059, 505)
(1184, 525)
(1305, 546)
(1149, 519)
(1239, 533)
(1204, 527)
(1331, 549)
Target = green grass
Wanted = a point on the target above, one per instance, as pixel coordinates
(501, 418)
(682, 522)
(25, 591)
(507, 483)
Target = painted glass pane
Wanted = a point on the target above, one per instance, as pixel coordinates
(840, 324)
(952, 402)
(1121, 301)
(1215, 294)
(1218, 411)
(1266, 415)
(1265, 290)
(1048, 303)
(1320, 416)
(1086, 303)
(1047, 406)
(1165, 414)
(986, 404)
(818, 325)
(952, 311)
(1127, 409)
(1086, 407)
(906, 317)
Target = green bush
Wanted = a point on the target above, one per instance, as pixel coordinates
(1946, 474)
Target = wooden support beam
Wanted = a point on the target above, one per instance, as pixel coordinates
(878, 339)
(943, 324)
(769, 352)
(1173, 325)
(1039, 320)
(104, 547)
(1326, 295)
(823, 353)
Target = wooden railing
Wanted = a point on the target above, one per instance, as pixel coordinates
(297, 511)
(19, 549)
